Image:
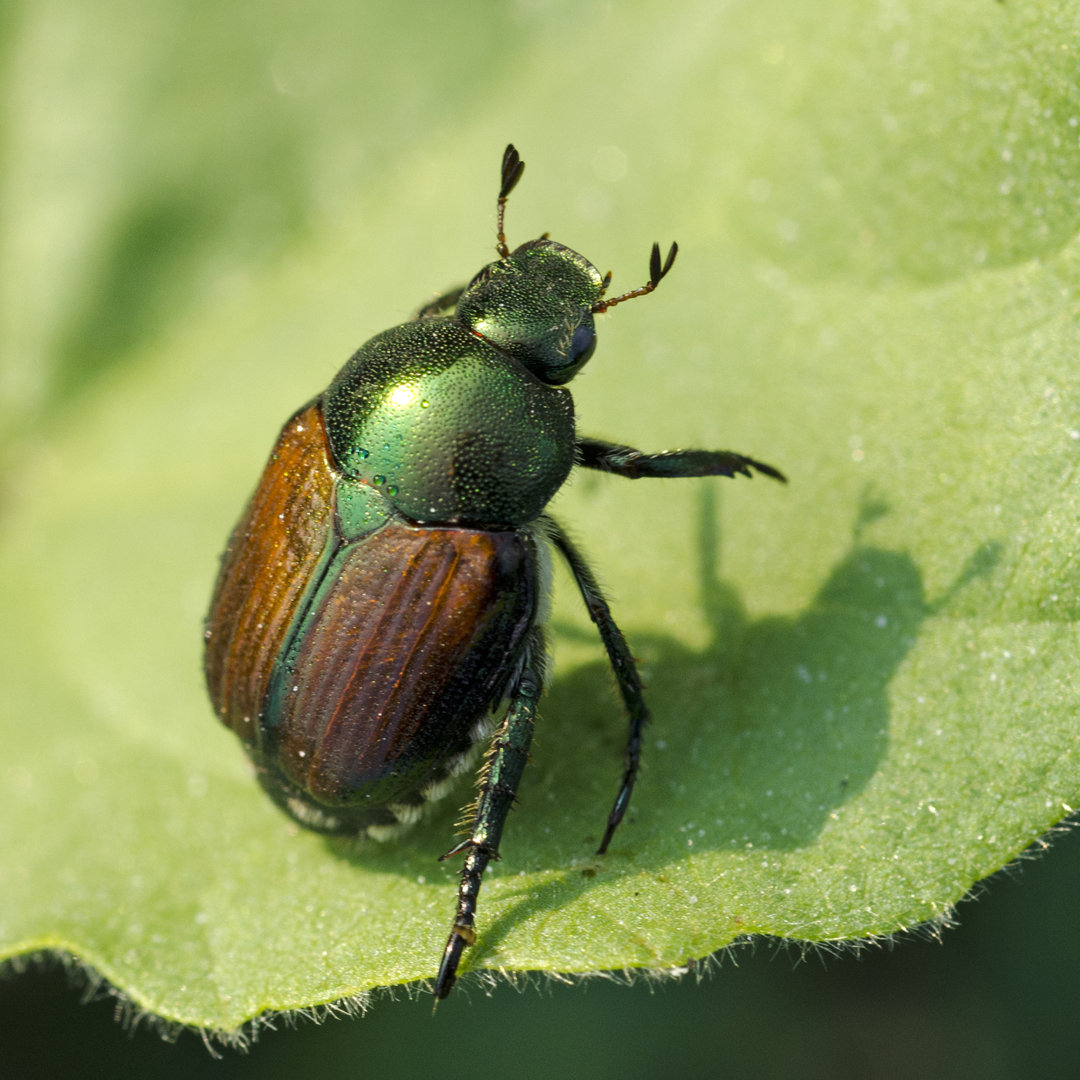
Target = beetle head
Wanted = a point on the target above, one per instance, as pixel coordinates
(537, 305)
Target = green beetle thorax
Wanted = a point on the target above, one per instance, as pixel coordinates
(536, 305)
(447, 428)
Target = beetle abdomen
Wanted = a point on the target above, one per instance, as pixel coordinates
(272, 554)
(412, 637)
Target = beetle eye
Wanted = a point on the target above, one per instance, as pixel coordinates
(582, 343)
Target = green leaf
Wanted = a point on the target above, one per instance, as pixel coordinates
(863, 684)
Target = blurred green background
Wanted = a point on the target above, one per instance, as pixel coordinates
(189, 182)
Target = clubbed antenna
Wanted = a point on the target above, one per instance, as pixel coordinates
(657, 273)
(512, 168)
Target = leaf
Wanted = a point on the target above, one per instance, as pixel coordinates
(862, 684)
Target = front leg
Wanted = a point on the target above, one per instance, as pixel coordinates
(633, 464)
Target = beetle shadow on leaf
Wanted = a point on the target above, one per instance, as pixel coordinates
(779, 721)
(755, 740)
(756, 737)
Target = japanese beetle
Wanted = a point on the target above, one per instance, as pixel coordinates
(383, 592)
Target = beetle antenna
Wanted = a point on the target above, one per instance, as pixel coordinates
(512, 168)
(657, 273)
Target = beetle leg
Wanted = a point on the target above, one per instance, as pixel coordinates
(441, 304)
(633, 464)
(501, 775)
(622, 663)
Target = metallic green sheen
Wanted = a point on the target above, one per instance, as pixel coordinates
(321, 583)
(360, 509)
(448, 428)
(536, 305)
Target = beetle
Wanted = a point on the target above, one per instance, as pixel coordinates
(383, 593)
